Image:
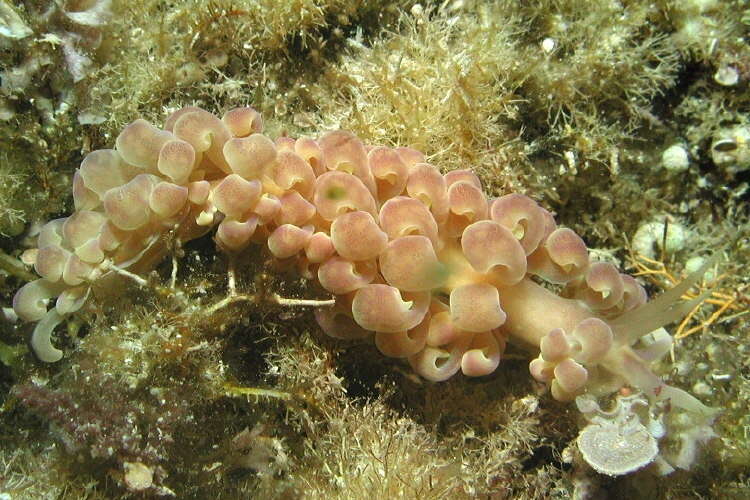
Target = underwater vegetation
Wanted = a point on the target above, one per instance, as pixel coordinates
(172, 350)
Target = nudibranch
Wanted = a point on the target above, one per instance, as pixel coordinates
(427, 264)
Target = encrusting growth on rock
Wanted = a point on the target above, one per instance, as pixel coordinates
(438, 273)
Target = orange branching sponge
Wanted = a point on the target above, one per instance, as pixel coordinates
(437, 272)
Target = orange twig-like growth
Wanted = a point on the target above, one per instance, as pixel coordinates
(657, 272)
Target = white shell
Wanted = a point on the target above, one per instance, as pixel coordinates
(675, 158)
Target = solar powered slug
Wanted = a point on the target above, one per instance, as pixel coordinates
(425, 263)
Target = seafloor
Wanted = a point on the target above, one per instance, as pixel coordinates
(627, 119)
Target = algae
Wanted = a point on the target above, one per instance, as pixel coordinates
(570, 102)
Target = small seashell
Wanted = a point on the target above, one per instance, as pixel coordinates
(726, 76)
(675, 158)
